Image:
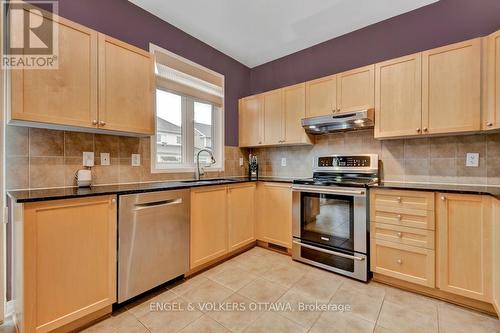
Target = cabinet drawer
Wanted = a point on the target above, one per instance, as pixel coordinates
(404, 262)
(414, 218)
(403, 235)
(403, 199)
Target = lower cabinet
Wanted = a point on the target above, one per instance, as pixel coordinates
(465, 245)
(222, 220)
(496, 255)
(65, 261)
(274, 216)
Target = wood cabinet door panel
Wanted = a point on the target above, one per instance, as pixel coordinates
(321, 96)
(294, 101)
(66, 95)
(492, 120)
(451, 88)
(464, 245)
(273, 117)
(251, 129)
(241, 215)
(356, 89)
(208, 224)
(398, 99)
(70, 260)
(275, 213)
(126, 87)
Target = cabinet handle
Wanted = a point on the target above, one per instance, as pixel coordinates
(443, 198)
(399, 217)
(418, 130)
(399, 199)
(102, 123)
(489, 124)
(94, 122)
(425, 129)
(399, 261)
(260, 142)
(399, 234)
(113, 200)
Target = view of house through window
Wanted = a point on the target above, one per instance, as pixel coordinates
(184, 126)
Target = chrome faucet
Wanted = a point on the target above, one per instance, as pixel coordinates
(201, 172)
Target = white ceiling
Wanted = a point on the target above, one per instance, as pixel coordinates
(257, 31)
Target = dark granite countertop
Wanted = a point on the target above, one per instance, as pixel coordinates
(24, 196)
(465, 189)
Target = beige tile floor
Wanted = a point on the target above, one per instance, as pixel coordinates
(260, 275)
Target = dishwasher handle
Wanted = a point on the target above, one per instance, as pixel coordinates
(155, 204)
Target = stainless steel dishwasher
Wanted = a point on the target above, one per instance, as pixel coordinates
(153, 240)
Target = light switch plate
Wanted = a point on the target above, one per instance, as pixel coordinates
(105, 159)
(472, 160)
(136, 159)
(283, 161)
(88, 158)
(241, 161)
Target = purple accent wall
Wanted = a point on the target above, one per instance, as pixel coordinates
(123, 20)
(440, 23)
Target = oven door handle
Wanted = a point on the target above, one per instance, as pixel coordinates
(326, 190)
(340, 254)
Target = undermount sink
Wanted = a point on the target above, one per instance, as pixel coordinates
(208, 181)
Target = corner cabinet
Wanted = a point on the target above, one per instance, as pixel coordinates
(65, 262)
(492, 114)
(101, 84)
(222, 221)
(464, 237)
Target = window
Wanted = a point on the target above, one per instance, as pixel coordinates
(189, 115)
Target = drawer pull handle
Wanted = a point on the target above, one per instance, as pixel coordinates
(399, 199)
(443, 198)
(399, 217)
(399, 234)
(399, 261)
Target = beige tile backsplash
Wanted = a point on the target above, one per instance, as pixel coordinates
(41, 158)
(437, 159)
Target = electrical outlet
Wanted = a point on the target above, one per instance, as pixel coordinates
(88, 158)
(105, 159)
(472, 160)
(283, 161)
(136, 159)
(241, 161)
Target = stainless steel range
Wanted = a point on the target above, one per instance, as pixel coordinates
(330, 214)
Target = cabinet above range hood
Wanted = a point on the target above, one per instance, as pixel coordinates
(349, 121)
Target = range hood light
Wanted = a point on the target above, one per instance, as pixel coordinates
(312, 127)
(361, 119)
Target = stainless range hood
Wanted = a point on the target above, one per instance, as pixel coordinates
(348, 121)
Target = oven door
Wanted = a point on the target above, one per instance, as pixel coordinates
(334, 217)
(352, 265)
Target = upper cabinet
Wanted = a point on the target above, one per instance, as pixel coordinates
(273, 118)
(321, 96)
(451, 88)
(492, 114)
(398, 106)
(251, 121)
(126, 87)
(100, 84)
(67, 95)
(356, 89)
(433, 92)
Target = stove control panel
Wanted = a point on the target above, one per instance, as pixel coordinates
(344, 161)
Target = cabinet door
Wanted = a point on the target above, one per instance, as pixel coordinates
(69, 260)
(398, 86)
(321, 96)
(251, 121)
(273, 117)
(356, 89)
(294, 100)
(451, 88)
(496, 255)
(126, 87)
(492, 120)
(208, 224)
(275, 213)
(241, 215)
(63, 96)
(465, 245)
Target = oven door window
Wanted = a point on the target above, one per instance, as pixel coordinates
(328, 219)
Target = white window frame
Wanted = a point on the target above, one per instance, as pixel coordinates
(187, 135)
